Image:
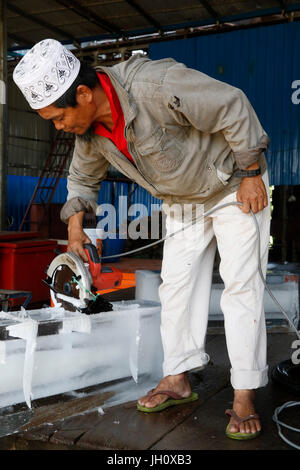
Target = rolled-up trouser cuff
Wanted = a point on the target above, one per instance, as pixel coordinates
(176, 366)
(77, 204)
(249, 379)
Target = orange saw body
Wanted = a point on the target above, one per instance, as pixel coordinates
(74, 284)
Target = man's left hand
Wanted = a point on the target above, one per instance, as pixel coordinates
(253, 195)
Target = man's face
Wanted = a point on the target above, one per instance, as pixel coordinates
(75, 120)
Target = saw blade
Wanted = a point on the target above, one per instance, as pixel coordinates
(71, 282)
(63, 284)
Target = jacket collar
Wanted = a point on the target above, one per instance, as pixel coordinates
(128, 106)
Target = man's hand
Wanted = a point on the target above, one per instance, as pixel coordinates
(77, 237)
(252, 193)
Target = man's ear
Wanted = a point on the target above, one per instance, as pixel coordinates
(84, 95)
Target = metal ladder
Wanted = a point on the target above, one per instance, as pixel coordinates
(51, 173)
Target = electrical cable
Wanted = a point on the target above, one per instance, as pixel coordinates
(280, 423)
(206, 214)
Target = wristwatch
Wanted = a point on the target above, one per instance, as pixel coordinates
(247, 173)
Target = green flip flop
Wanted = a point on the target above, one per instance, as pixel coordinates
(172, 401)
(241, 436)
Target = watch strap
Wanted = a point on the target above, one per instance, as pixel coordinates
(247, 173)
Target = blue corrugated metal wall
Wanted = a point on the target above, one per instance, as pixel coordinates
(263, 62)
(20, 190)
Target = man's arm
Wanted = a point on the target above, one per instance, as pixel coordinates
(76, 235)
(213, 106)
(88, 168)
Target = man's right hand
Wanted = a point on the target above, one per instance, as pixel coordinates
(77, 237)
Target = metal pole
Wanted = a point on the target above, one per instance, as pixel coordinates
(3, 114)
(284, 224)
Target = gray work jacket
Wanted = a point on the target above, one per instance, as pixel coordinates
(187, 133)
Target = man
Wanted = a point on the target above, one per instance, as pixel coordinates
(187, 139)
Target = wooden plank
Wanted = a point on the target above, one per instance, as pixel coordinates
(40, 433)
(205, 428)
(279, 347)
(73, 428)
(124, 427)
(17, 443)
(217, 350)
(39, 429)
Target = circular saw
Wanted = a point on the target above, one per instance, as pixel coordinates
(74, 284)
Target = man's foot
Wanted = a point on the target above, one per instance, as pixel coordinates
(175, 383)
(243, 405)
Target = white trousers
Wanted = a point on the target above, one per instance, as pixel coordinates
(185, 292)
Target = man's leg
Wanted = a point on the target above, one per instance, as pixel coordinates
(185, 293)
(242, 302)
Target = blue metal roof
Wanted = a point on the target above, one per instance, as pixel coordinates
(264, 63)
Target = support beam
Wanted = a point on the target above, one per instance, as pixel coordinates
(144, 14)
(43, 23)
(88, 14)
(20, 40)
(283, 4)
(3, 114)
(210, 9)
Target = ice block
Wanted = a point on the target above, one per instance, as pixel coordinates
(64, 351)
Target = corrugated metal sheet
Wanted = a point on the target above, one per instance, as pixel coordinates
(29, 136)
(19, 192)
(263, 62)
(20, 189)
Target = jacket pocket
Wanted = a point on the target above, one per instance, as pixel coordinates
(162, 150)
(213, 183)
(224, 169)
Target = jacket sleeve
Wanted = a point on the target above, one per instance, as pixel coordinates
(88, 168)
(214, 106)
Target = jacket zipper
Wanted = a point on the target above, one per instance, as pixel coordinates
(117, 85)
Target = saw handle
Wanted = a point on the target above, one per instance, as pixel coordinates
(103, 278)
(93, 257)
(92, 252)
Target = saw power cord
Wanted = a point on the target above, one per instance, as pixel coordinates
(206, 214)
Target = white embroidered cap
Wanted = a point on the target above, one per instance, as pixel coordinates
(46, 72)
